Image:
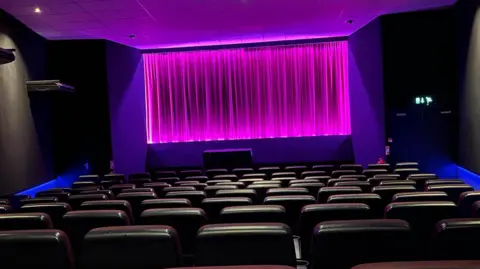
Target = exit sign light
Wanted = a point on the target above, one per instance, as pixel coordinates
(423, 100)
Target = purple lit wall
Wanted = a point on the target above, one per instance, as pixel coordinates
(248, 93)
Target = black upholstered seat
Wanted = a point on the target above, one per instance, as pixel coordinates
(117, 189)
(215, 181)
(237, 193)
(287, 191)
(254, 213)
(25, 221)
(321, 179)
(466, 201)
(239, 185)
(76, 200)
(269, 170)
(244, 244)
(186, 221)
(373, 172)
(195, 197)
(139, 175)
(39, 249)
(364, 185)
(249, 181)
(165, 203)
(374, 201)
(163, 174)
(122, 205)
(210, 173)
(38, 200)
(4, 209)
(455, 239)
(452, 190)
(62, 196)
(143, 189)
(297, 169)
(139, 182)
(324, 167)
(421, 265)
(94, 178)
(395, 176)
(357, 167)
(168, 180)
(312, 188)
(114, 177)
(157, 187)
(175, 189)
(311, 215)
(293, 204)
(313, 174)
(423, 196)
(188, 173)
(284, 174)
(420, 179)
(343, 244)
(338, 173)
(82, 189)
(422, 216)
(255, 175)
(431, 182)
(325, 192)
(387, 192)
(135, 199)
(226, 176)
(406, 172)
(54, 210)
(284, 181)
(359, 177)
(406, 165)
(213, 206)
(108, 193)
(242, 171)
(297, 181)
(376, 181)
(106, 184)
(261, 190)
(201, 179)
(77, 224)
(127, 247)
(334, 181)
(81, 184)
(385, 166)
(402, 182)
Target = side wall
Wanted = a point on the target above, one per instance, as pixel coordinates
(365, 69)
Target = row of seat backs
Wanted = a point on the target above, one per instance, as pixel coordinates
(335, 245)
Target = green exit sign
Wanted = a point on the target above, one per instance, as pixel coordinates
(423, 100)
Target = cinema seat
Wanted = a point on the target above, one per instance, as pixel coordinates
(255, 175)
(189, 173)
(406, 172)
(135, 199)
(143, 189)
(364, 185)
(215, 181)
(213, 206)
(387, 192)
(442, 264)
(197, 186)
(455, 239)
(311, 215)
(284, 174)
(4, 209)
(344, 244)
(432, 182)
(420, 179)
(139, 182)
(117, 189)
(106, 184)
(82, 189)
(466, 201)
(114, 177)
(385, 166)
(287, 191)
(146, 247)
(157, 187)
(195, 197)
(297, 169)
(406, 165)
(237, 193)
(403, 182)
(38, 200)
(374, 201)
(325, 192)
(186, 221)
(211, 173)
(423, 196)
(357, 167)
(293, 204)
(94, 178)
(284, 181)
(253, 214)
(39, 249)
(242, 171)
(174, 189)
(269, 170)
(76, 200)
(163, 174)
(108, 193)
(25, 221)
(140, 176)
(168, 180)
(334, 181)
(239, 185)
(453, 190)
(321, 179)
(395, 176)
(165, 203)
(373, 172)
(244, 244)
(122, 205)
(422, 216)
(376, 181)
(226, 176)
(261, 190)
(358, 177)
(328, 168)
(77, 224)
(62, 196)
(81, 184)
(313, 174)
(338, 173)
(201, 179)
(249, 181)
(54, 210)
(297, 181)
(312, 188)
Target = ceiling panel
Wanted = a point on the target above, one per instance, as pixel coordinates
(174, 23)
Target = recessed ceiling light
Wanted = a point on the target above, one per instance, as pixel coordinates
(37, 10)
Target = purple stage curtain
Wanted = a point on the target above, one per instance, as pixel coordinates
(248, 93)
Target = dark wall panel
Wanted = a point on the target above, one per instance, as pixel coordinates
(468, 44)
(25, 159)
(365, 69)
(419, 59)
(83, 135)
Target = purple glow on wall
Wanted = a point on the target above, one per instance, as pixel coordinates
(249, 93)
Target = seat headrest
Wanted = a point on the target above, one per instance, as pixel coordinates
(179, 188)
(361, 226)
(65, 206)
(422, 204)
(136, 195)
(306, 184)
(37, 200)
(352, 183)
(443, 181)
(146, 189)
(156, 184)
(253, 209)
(341, 197)
(226, 193)
(87, 197)
(290, 198)
(217, 200)
(216, 230)
(293, 190)
(263, 186)
(185, 193)
(457, 224)
(220, 187)
(167, 201)
(451, 187)
(420, 196)
(182, 211)
(340, 189)
(397, 182)
(334, 207)
(98, 214)
(393, 188)
(107, 202)
(421, 176)
(25, 221)
(123, 186)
